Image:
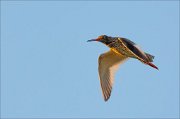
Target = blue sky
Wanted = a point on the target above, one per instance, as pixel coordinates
(49, 70)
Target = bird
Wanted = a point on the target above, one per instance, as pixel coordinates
(121, 49)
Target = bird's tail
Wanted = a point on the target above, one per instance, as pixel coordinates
(150, 57)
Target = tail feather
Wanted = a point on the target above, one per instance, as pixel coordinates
(150, 57)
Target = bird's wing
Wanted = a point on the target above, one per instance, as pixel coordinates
(108, 64)
(137, 51)
(141, 55)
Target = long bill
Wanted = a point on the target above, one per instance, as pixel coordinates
(92, 40)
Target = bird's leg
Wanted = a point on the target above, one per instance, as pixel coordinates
(150, 64)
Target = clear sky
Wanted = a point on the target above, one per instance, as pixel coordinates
(49, 70)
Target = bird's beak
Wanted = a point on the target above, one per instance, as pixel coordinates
(92, 40)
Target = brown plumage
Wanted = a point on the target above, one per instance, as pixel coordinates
(120, 50)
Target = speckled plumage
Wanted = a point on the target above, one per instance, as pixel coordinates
(120, 50)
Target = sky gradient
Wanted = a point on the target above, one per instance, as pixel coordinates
(49, 70)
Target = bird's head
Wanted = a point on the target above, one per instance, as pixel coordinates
(103, 39)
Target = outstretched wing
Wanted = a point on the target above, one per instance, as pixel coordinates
(108, 64)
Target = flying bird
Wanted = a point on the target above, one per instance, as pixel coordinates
(121, 49)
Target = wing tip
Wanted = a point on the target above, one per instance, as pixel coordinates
(106, 98)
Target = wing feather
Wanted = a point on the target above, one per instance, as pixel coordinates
(108, 64)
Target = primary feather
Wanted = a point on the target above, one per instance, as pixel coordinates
(108, 64)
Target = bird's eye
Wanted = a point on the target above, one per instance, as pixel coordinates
(104, 36)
